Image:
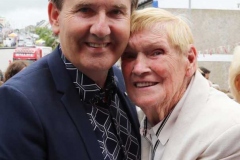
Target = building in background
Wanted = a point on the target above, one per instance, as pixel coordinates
(4, 22)
(4, 29)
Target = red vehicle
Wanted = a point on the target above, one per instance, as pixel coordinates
(28, 54)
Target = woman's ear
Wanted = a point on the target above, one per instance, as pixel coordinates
(53, 16)
(237, 82)
(192, 60)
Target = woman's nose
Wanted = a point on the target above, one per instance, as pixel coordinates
(140, 65)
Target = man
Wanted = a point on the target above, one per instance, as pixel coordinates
(67, 106)
(182, 117)
(205, 72)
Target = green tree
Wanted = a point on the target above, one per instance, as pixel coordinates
(47, 35)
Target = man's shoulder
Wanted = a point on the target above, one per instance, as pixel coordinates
(33, 74)
(35, 71)
(119, 78)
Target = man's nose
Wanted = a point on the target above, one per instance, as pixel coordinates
(100, 27)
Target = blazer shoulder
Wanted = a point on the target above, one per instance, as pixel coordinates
(119, 78)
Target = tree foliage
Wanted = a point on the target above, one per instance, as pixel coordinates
(47, 35)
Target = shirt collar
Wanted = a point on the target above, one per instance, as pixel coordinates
(170, 120)
(88, 90)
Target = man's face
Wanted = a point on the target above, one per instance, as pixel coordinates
(93, 33)
(155, 73)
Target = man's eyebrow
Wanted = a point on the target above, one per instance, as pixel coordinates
(82, 4)
(120, 6)
(87, 4)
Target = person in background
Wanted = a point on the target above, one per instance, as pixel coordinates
(1, 77)
(182, 117)
(70, 104)
(234, 74)
(205, 72)
(14, 68)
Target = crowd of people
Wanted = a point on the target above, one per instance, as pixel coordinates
(73, 104)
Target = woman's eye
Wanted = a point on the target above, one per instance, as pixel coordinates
(158, 52)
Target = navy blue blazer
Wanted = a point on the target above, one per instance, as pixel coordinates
(42, 117)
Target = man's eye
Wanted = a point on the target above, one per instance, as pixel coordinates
(84, 10)
(117, 12)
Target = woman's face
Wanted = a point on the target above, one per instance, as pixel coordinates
(156, 74)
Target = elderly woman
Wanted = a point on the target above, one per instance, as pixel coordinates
(234, 74)
(183, 117)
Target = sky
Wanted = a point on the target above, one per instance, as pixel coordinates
(21, 13)
(200, 4)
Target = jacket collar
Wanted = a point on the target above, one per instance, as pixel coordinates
(75, 107)
(195, 99)
(73, 104)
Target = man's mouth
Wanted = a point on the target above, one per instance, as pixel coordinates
(97, 45)
(144, 84)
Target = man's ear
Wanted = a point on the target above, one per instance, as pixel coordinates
(53, 16)
(237, 82)
(192, 60)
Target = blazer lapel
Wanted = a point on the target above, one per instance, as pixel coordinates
(195, 100)
(127, 104)
(76, 111)
(73, 104)
(131, 112)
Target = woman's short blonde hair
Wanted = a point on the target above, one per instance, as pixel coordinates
(234, 70)
(176, 27)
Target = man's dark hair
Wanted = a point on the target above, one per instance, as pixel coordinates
(204, 71)
(59, 4)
